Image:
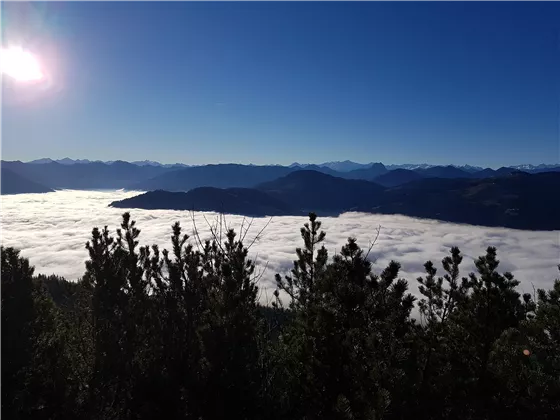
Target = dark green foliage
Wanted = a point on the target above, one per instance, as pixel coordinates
(530, 381)
(18, 316)
(180, 334)
(349, 331)
(36, 375)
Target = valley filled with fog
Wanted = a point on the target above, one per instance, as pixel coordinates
(51, 230)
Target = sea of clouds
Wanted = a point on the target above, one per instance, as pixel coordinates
(52, 230)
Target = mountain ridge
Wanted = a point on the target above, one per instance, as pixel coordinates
(13, 183)
(147, 176)
(339, 166)
(250, 202)
(519, 200)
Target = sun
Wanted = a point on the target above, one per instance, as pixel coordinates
(20, 64)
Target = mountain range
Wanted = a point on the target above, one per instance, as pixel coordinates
(68, 161)
(339, 166)
(148, 176)
(494, 197)
(92, 175)
(518, 200)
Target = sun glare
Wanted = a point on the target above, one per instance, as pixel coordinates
(20, 64)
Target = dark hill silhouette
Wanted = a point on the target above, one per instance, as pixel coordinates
(490, 173)
(443, 172)
(242, 201)
(94, 175)
(13, 183)
(219, 176)
(295, 193)
(452, 172)
(315, 191)
(366, 173)
(371, 172)
(519, 200)
(541, 170)
(485, 173)
(322, 169)
(397, 177)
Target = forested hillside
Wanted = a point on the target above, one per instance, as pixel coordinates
(180, 334)
(518, 200)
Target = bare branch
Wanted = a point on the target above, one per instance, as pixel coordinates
(260, 275)
(196, 235)
(248, 227)
(241, 229)
(374, 241)
(220, 221)
(259, 234)
(213, 232)
(225, 221)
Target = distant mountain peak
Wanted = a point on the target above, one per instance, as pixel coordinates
(41, 161)
(63, 161)
(342, 167)
(146, 162)
(339, 166)
(530, 167)
(68, 161)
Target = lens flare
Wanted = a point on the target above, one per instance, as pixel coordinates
(20, 65)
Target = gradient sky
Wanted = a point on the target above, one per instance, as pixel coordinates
(461, 83)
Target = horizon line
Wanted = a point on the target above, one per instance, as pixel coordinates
(278, 164)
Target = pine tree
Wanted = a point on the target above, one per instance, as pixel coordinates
(35, 366)
(17, 330)
(149, 333)
(344, 351)
(525, 362)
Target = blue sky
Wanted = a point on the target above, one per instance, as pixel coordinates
(475, 83)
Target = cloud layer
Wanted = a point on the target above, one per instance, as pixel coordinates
(52, 229)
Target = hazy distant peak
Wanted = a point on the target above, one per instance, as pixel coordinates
(63, 161)
(529, 167)
(146, 162)
(346, 166)
(339, 166)
(41, 161)
(410, 166)
(66, 161)
(469, 168)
